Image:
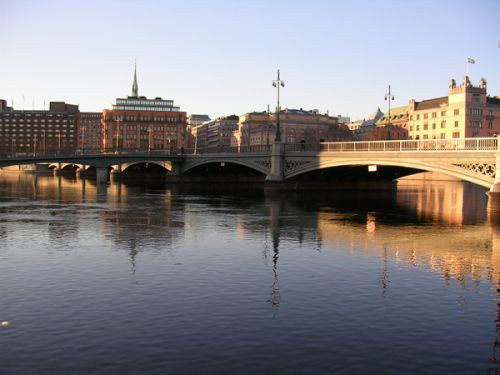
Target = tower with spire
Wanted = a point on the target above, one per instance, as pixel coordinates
(135, 87)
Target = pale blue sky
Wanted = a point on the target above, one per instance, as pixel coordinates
(219, 57)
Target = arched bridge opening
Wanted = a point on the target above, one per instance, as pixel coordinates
(383, 171)
(144, 169)
(353, 176)
(222, 171)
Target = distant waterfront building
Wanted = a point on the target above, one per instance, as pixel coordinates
(297, 126)
(29, 132)
(367, 125)
(195, 120)
(144, 124)
(467, 111)
(220, 130)
(343, 119)
(393, 127)
(90, 134)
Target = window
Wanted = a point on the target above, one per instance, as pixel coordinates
(426, 126)
(490, 124)
(456, 134)
(425, 115)
(411, 128)
(476, 111)
(456, 124)
(433, 125)
(426, 136)
(418, 117)
(443, 113)
(456, 112)
(443, 124)
(418, 127)
(442, 136)
(434, 114)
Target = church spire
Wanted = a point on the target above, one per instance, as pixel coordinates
(135, 88)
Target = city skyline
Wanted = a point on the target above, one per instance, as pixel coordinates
(221, 58)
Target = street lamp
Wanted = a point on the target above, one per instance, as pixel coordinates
(117, 132)
(389, 97)
(277, 83)
(149, 138)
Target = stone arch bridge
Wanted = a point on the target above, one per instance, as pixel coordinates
(471, 159)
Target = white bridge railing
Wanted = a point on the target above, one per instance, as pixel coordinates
(424, 145)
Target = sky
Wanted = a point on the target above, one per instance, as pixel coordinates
(220, 57)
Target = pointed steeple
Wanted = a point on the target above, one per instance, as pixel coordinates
(135, 87)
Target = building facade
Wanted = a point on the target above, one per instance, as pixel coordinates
(89, 134)
(390, 126)
(38, 132)
(362, 128)
(296, 125)
(195, 120)
(466, 112)
(139, 123)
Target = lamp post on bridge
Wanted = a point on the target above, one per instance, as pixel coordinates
(277, 172)
(389, 97)
(277, 83)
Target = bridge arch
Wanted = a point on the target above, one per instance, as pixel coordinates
(188, 166)
(166, 165)
(450, 170)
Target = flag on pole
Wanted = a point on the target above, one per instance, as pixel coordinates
(470, 60)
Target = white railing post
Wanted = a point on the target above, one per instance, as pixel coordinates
(354, 146)
(400, 145)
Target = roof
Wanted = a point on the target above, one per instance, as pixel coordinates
(493, 100)
(397, 114)
(431, 103)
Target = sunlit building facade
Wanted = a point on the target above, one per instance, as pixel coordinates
(139, 123)
(466, 112)
(90, 132)
(297, 126)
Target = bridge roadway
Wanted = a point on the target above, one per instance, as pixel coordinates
(471, 159)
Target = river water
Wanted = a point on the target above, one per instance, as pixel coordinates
(144, 278)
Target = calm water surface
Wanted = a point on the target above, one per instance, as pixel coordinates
(144, 278)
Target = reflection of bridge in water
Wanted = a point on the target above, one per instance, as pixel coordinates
(449, 248)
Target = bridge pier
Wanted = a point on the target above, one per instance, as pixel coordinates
(101, 175)
(277, 163)
(118, 169)
(176, 169)
(494, 193)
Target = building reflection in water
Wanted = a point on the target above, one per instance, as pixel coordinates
(441, 227)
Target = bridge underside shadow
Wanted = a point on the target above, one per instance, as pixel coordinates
(352, 177)
(223, 172)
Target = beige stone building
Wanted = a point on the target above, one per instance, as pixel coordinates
(466, 112)
(297, 126)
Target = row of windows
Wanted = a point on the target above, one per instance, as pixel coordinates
(426, 126)
(7, 121)
(7, 114)
(154, 109)
(142, 118)
(50, 131)
(441, 136)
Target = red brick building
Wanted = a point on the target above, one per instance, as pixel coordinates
(39, 131)
(90, 132)
(139, 123)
